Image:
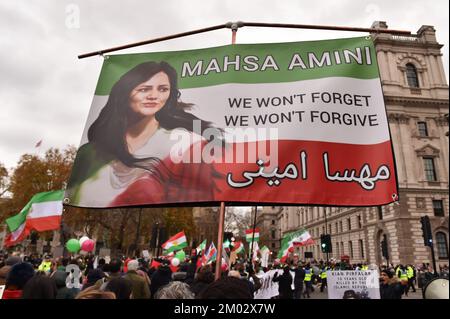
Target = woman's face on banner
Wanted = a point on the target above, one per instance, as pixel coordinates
(150, 96)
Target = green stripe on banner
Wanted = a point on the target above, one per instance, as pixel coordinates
(320, 59)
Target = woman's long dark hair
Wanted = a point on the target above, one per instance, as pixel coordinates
(108, 132)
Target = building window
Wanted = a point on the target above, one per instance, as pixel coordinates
(438, 208)
(411, 76)
(430, 171)
(359, 222)
(350, 248)
(442, 247)
(380, 212)
(273, 245)
(273, 221)
(329, 229)
(422, 127)
(361, 248)
(273, 234)
(340, 226)
(337, 229)
(349, 224)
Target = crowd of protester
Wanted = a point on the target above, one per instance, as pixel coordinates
(89, 277)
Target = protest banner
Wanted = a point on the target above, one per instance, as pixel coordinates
(260, 123)
(353, 284)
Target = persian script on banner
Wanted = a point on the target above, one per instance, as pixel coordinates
(287, 123)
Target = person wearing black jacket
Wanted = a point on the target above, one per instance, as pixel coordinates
(298, 282)
(390, 288)
(284, 283)
(161, 277)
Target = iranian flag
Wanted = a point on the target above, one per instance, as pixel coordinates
(43, 212)
(249, 234)
(176, 242)
(238, 247)
(298, 238)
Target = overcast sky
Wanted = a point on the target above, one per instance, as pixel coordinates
(46, 91)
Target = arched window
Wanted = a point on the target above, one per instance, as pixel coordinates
(411, 76)
(442, 247)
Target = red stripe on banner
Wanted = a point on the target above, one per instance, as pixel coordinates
(249, 231)
(356, 177)
(44, 223)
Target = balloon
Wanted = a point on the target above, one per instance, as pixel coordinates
(181, 255)
(73, 245)
(83, 239)
(175, 262)
(88, 245)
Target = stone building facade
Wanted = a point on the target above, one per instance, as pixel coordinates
(206, 222)
(416, 97)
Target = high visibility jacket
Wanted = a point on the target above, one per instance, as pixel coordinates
(308, 274)
(45, 266)
(323, 274)
(364, 267)
(409, 272)
(403, 275)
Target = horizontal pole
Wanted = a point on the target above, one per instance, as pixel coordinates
(169, 37)
(234, 26)
(323, 27)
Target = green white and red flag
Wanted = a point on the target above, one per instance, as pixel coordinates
(249, 234)
(298, 238)
(43, 212)
(176, 242)
(238, 247)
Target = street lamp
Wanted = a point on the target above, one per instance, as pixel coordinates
(50, 182)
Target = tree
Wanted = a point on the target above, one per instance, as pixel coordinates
(238, 220)
(34, 174)
(3, 180)
(178, 219)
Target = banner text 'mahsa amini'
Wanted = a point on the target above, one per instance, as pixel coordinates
(252, 63)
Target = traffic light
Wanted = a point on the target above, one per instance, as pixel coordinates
(325, 243)
(426, 231)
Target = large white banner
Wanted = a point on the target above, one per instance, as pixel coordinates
(268, 288)
(348, 284)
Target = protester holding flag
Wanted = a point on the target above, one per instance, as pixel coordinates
(127, 160)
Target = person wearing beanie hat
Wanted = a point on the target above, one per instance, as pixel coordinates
(390, 288)
(16, 279)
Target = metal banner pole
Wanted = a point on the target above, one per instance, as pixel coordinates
(220, 241)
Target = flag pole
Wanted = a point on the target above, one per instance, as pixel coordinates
(253, 237)
(234, 28)
(220, 241)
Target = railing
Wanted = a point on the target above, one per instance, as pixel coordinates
(404, 38)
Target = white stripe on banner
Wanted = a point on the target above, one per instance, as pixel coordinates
(45, 209)
(333, 109)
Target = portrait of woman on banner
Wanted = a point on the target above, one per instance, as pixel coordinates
(128, 159)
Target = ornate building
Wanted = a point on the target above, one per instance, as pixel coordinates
(416, 98)
(206, 221)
